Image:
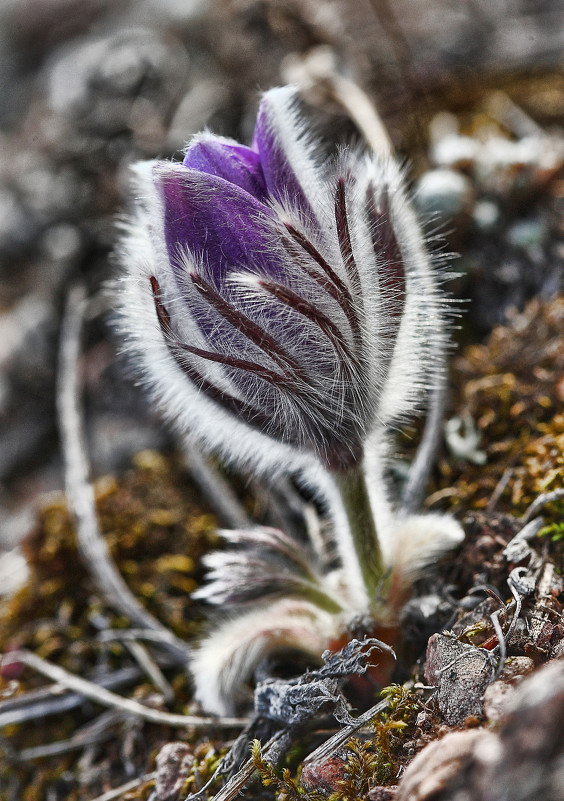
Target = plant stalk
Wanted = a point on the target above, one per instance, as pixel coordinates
(352, 486)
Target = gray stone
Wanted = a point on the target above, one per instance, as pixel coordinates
(461, 673)
(446, 769)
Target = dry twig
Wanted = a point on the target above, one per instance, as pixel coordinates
(105, 697)
(225, 504)
(340, 738)
(54, 700)
(97, 731)
(542, 500)
(80, 493)
(234, 786)
(117, 792)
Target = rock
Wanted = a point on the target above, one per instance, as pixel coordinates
(14, 572)
(558, 650)
(115, 92)
(498, 695)
(382, 794)
(174, 762)
(486, 216)
(422, 616)
(461, 674)
(455, 151)
(516, 669)
(531, 763)
(124, 64)
(446, 769)
(523, 760)
(324, 775)
(17, 230)
(527, 233)
(444, 193)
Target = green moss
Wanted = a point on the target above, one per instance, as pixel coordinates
(368, 762)
(286, 787)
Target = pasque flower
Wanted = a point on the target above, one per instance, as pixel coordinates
(293, 297)
(284, 312)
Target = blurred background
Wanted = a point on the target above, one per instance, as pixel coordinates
(472, 93)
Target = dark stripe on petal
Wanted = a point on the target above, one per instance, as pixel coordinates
(162, 314)
(303, 307)
(391, 274)
(247, 327)
(249, 414)
(271, 376)
(334, 285)
(343, 232)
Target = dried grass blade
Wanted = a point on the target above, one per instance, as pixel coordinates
(80, 493)
(107, 698)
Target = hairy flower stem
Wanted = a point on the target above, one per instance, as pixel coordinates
(352, 485)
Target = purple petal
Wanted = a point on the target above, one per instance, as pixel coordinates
(225, 159)
(217, 222)
(275, 135)
(250, 414)
(250, 330)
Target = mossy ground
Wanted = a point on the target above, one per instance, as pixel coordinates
(157, 530)
(512, 386)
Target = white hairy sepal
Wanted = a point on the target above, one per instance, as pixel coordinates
(419, 540)
(227, 657)
(261, 562)
(224, 664)
(408, 543)
(398, 373)
(417, 354)
(282, 111)
(354, 588)
(142, 252)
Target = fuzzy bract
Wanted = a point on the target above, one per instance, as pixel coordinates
(281, 595)
(280, 308)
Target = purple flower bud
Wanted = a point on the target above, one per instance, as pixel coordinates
(269, 296)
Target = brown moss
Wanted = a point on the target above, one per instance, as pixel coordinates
(156, 530)
(512, 386)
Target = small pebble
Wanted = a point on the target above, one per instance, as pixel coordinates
(486, 215)
(455, 151)
(527, 233)
(444, 193)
